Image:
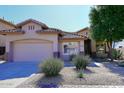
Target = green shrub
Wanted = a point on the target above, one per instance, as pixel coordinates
(116, 54)
(80, 74)
(52, 66)
(102, 55)
(121, 64)
(72, 56)
(81, 61)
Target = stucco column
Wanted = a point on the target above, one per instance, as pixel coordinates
(56, 49)
(93, 47)
(7, 50)
(81, 46)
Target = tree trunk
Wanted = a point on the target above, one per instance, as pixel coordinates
(109, 44)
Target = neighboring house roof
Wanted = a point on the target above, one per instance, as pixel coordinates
(34, 21)
(7, 22)
(86, 28)
(10, 31)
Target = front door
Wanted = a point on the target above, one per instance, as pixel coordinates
(87, 47)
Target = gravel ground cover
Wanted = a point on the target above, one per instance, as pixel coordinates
(96, 75)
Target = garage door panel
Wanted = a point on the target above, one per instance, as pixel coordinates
(32, 51)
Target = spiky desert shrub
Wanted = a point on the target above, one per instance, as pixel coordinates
(81, 61)
(72, 56)
(51, 66)
(116, 54)
(80, 74)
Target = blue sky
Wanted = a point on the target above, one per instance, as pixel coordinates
(68, 18)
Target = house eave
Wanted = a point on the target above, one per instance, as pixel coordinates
(72, 39)
(47, 32)
(11, 32)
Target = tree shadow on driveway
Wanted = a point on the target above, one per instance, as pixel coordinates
(114, 68)
(13, 70)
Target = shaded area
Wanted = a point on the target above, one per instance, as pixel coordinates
(100, 60)
(12, 70)
(49, 82)
(68, 64)
(114, 68)
(92, 64)
(88, 71)
(51, 85)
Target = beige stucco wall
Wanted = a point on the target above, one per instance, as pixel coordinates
(31, 34)
(51, 37)
(4, 26)
(26, 27)
(81, 45)
(2, 40)
(84, 32)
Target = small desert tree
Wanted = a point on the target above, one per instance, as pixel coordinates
(107, 24)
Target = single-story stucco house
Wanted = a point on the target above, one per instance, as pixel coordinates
(32, 40)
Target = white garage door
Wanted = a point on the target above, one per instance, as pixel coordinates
(31, 52)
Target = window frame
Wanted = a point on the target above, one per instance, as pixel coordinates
(70, 50)
(31, 27)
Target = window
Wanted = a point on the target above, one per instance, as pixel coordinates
(70, 48)
(65, 48)
(31, 27)
(86, 33)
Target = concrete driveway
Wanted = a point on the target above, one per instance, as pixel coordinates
(14, 73)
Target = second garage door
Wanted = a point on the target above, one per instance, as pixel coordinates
(31, 51)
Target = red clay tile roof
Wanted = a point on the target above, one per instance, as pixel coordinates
(72, 35)
(46, 29)
(12, 30)
(63, 33)
(50, 30)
